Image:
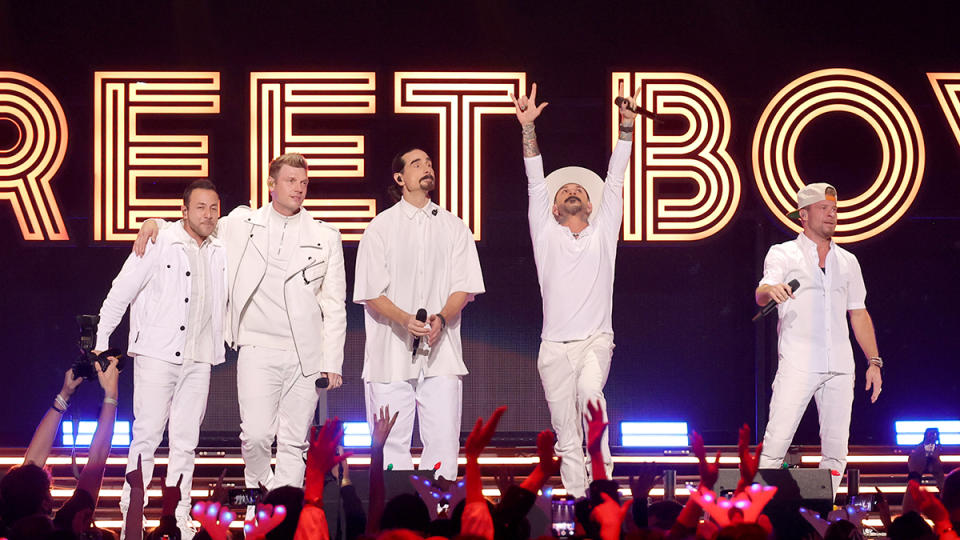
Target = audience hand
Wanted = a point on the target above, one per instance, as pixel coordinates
(928, 503)
(749, 464)
(482, 433)
(610, 515)
(596, 426)
(135, 477)
(70, 384)
(382, 425)
(264, 520)
(322, 456)
(170, 496)
(709, 472)
(214, 519)
(109, 378)
(549, 461)
(641, 485)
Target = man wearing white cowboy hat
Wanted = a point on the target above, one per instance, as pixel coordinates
(575, 248)
(815, 356)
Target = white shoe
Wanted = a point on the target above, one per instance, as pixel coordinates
(187, 530)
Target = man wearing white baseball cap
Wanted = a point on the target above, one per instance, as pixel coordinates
(815, 355)
(575, 222)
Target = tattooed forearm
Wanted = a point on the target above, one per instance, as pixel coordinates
(530, 147)
(626, 135)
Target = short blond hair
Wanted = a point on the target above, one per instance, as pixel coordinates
(293, 159)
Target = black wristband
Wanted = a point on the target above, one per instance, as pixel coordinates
(626, 129)
(443, 321)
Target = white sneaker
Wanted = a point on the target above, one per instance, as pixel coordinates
(187, 530)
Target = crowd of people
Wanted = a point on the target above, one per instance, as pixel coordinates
(291, 512)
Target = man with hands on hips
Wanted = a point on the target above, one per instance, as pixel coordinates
(416, 255)
(575, 220)
(287, 315)
(815, 356)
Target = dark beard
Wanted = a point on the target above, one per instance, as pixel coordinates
(427, 183)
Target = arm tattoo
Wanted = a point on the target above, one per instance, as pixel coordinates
(626, 136)
(530, 147)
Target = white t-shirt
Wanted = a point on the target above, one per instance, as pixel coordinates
(416, 257)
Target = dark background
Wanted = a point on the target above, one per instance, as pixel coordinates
(685, 347)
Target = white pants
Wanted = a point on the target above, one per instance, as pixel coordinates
(572, 374)
(438, 402)
(276, 401)
(163, 391)
(792, 390)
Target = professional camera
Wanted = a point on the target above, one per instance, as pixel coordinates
(83, 366)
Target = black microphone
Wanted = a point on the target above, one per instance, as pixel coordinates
(639, 110)
(322, 382)
(794, 284)
(422, 317)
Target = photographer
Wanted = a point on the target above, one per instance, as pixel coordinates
(25, 491)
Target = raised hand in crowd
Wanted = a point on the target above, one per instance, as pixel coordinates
(92, 475)
(321, 457)
(134, 519)
(596, 427)
(709, 472)
(266, 518)
(749, 463)
(931, 507)
(476, 518)
(42, 441)
(214, 519)
(640, 486)
(382, 426)
(609, 515)
(548, 463)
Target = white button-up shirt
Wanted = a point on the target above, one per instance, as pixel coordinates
(417, 258)
(200, 312)
(576, 274)
(813, 332)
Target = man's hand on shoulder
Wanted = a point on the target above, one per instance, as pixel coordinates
(148, 233)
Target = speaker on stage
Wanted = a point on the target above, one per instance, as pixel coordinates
(809, 488)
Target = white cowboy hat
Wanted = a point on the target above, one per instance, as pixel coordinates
(588, 179)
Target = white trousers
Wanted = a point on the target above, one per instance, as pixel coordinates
(572, 374)
(163, 391)
(438, 402)
(792, 390)
(276, 402)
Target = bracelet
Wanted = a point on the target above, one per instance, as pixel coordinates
(443, 321)
(54, 407)
(111, 401)
(61, 402)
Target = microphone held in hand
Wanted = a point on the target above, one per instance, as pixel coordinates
(322, 382)
(638, 110)
(794, 285)
(422, 317)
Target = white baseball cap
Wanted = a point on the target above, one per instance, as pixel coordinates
(586, 178)
(812, 193)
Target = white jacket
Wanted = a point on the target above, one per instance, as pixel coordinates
(315, 291)
(154, 287)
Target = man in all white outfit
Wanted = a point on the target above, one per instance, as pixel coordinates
(286, 314)
(177, 293)
(575, 222)
(416, 255)
(815, 356)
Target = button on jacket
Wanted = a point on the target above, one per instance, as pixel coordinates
(158, 289)
(813, 331)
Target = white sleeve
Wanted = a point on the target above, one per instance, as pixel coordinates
(133, 277)
(539, 211)
(371, 277)
(610, 213)
(774, 266)
(332, 299)
(856, 290)
(466, 276)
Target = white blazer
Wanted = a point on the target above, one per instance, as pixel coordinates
(315, 290)
(155, 286)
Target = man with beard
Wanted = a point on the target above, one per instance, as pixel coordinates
(815, 356)
(287, 317)
(575, 222)
(177, 293)
(416, 255)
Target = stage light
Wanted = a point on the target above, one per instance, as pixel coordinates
(356, 434)
(655, 434)
(86, 428)
(910, 432)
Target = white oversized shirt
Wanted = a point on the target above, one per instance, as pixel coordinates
(417, 258)
(266, 322)
(813, 332)
(576, 274)
(201, 311)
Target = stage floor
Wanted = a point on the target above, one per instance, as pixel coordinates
(881, 467)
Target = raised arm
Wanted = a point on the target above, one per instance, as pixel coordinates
(46, 432)
(610, 213)
(539, 211)
(92, 474)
